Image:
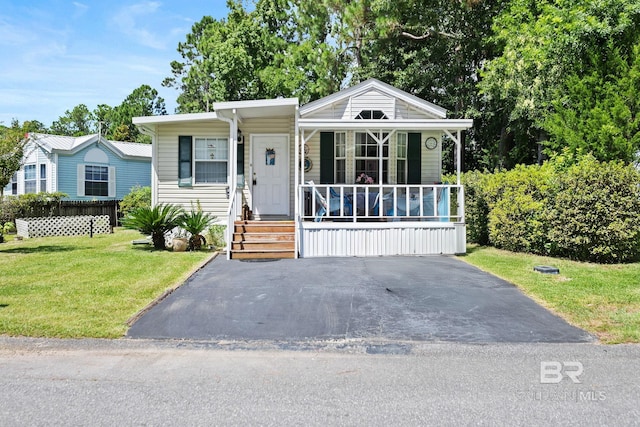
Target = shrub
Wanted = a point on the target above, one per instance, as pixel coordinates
(29, 205)
(195, 222)
(215, 236)
(517, 201)
(138, 197)
(155, 221)
(476, 209)
(594, 212)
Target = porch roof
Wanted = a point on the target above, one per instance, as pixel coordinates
(383, 124)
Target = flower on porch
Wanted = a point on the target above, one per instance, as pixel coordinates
(363, 178)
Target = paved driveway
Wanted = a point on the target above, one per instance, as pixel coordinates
(432, 298)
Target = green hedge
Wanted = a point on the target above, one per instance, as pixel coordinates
(588, 211)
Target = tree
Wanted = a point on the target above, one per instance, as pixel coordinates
(599, 113)
(77, 122)
(143, 101)
(12, 142)
(547, 47)
(280, 49)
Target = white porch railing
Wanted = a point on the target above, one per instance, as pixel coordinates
(387, 202)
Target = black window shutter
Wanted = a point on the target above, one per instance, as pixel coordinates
(185, 147)
(240, 165)
(414, 162)
(326, 158)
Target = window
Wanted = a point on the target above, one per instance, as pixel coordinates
(30, 179)
(14, 184)
(401, 159)
(96, 180)
(371, 115)
(211, 159)
(43, 178)
(341, 158)
(184, 160)
(368, 156)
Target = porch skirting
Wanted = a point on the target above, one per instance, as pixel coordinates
(345, 239)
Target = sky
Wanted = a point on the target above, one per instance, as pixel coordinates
(57, 54)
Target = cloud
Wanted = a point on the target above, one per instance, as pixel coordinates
(126, 20)
(81, 9)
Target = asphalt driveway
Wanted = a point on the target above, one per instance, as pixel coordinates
(432, 298)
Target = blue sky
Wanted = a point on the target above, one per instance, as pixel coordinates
(57, 54)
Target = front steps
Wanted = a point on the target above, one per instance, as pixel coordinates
(263, 240)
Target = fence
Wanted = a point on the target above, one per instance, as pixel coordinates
(63, 226)
(111, 208)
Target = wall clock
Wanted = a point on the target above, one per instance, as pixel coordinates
(430, 143)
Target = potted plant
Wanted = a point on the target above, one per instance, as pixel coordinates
(155, 221)
(195, 223)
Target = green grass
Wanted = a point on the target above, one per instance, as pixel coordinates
(602, 299)
(72, 287)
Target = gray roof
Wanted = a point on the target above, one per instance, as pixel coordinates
(72, 144)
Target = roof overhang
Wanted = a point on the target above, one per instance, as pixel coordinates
(259, 108)
(175, 118)
(437, 124)
(374, 84)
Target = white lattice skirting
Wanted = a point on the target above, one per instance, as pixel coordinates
(63, 226)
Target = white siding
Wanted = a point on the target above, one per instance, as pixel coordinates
(213, 197)
(380, 239)
(404, 111)
(371, 100)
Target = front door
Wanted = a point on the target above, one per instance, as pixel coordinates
(270, 161)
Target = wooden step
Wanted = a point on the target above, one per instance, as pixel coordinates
(263, 239)
(262, 255)
(263, 245)
(264, 227)
(255, 237)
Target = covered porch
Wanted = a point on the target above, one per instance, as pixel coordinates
(380, 218)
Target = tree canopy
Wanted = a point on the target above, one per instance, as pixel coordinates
(12, 140)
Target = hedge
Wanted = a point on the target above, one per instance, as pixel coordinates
(588, 211)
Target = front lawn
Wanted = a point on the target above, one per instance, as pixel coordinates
(602, 299)
(76, 287)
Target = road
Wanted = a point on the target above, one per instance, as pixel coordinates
(342, 382)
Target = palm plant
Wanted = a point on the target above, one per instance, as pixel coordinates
(155, 221)
(195, 222)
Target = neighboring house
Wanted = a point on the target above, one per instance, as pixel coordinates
(246, 152)
(85, 167)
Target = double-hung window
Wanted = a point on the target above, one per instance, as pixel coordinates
(14, 184)
(368, 155)
(211, 160)
(341, 158)
(30, 179)
(401, 158)
(43, 177)
(96, 180)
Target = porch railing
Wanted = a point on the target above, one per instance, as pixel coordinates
(386, 202)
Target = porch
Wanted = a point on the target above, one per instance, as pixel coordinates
(380, 220)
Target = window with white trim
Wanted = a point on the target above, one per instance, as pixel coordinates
(96, 180)
(30, 181)
(341, 158)
(401, 158)
(367, 156)
(211, 160)
(14, 184)
(43, 177)
(371, 115)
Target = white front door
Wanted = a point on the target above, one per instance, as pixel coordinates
(270, 166)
